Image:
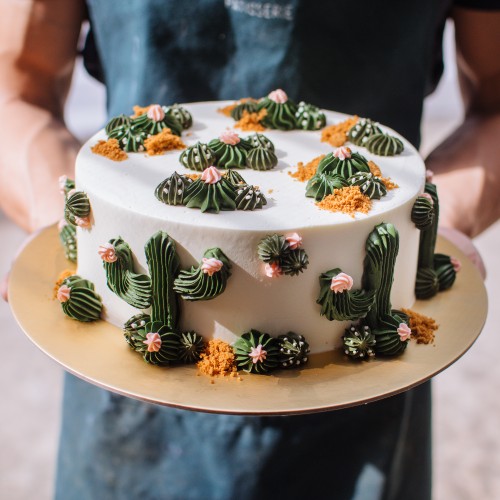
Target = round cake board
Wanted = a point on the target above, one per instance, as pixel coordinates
(98, 353)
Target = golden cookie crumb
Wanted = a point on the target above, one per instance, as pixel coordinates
(162, 142)
(110, 149)
(217, 359)
(226, 110)
(62, 276)
(387, 181)
(251, 122)
(307, 171)
(348, 200)
(193, 177)
(140, 110)
(375, 169)
(336, 134)
(422, 327)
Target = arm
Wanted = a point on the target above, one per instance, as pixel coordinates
(467, 163)
(38, 43)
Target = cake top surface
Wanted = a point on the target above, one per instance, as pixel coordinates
(131, 184)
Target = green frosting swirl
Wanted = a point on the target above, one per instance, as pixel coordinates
(422, 213)
(445, 271)
(191, 347)
(170, 344)
(198, 285)
(67, 236)
(309, 117)
(369, 185)
(343, 306)
(248, 106)
(382, 248)
(135, 289)
(235, 178)
(428, 236)
(249, 197)
(359, 342)
(171, 191)
(152, 127)
(260, 140)
(272, 248)
(293, 350)
(133, 326)
(279, 116)
(198, 157)
(77, 205)
(363, 129)
(229, 156)
(182, 115)
(251, 340)
(83, 304)
(122, 122)
(294, 262)
(163, 263)
(387, 339)
(321, 185)
(332, 165)
(260, 158)
(130, 138)
(384, 145)
(210, 197)
(427, 283)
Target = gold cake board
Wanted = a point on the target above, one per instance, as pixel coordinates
(98, 353)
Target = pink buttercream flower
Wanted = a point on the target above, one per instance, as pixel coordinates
(273, 270)
(63, 294)
(153, 341)
(62, 223)
(62, 183)
(82, 222)
(278, 96)
(429, 175)
(294, 240)
(258, 354)
(229, 137)
(342, 153)
(457, 265)
(428, 197)
(341, 282)
(156, 113)
(211, 265)
(404, 332)
(107, 252)
(211, 175)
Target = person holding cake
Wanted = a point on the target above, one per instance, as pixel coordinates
(372, 61)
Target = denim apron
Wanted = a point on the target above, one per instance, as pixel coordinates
(373, 58)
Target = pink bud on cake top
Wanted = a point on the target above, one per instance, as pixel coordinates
(153, 341)
(211, 265)
(341, 282)
(156, 113)
(278, 96)
(229, 137)
(342, 153)
(211, 175)
(258, 354)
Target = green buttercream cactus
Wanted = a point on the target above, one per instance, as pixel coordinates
(234, 177)
(309, 117)
(261, 158)
(206, 281)
(337, 300)
(369, 185)
(129, 135)
(198, 157)
(77, 208)
(249, 197)
(79, 300)
(155, 120)
(181, 114)
(362, 131)
(230, 150)
(171, 191)
(67, 237)
(133, 288)
(133, 326)
(392, 335)
(321, 185)
(246, 106)
(257, 352)
(191, 347)
(422, 213)
(280, 111)
(359, 342)
(446, 268)
(384, 145)
(343, 162)
(118, 123)
(211, 192)
(282, 255)
(293, 350)
(260, 140)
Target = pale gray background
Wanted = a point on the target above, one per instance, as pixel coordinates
(466, 396)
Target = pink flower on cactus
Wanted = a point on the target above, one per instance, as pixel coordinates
(294, 240)
(258, 354)
(211, 266)
(457, 265)
(64, 293)
(273, 270)
(229, 137)
(156, 113)
(153, 341)
(404, 332)
(342, 153)
(278, 96)
(427, 196)
(83, 222)
(211, 175)
(107, 252)
(341, 282)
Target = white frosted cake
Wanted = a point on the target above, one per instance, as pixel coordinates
(123, 204)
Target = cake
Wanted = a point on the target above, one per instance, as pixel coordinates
(237, 251)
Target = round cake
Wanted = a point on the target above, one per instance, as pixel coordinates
(256, 294)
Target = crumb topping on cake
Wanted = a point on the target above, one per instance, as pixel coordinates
(162, 142)
(217, 359)
(60, 280)
(423, 327)
(348, 200)
(252, 121)
(388, 182)
(110, 149)
(336, 134)
(307, 171)
(140, 110)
